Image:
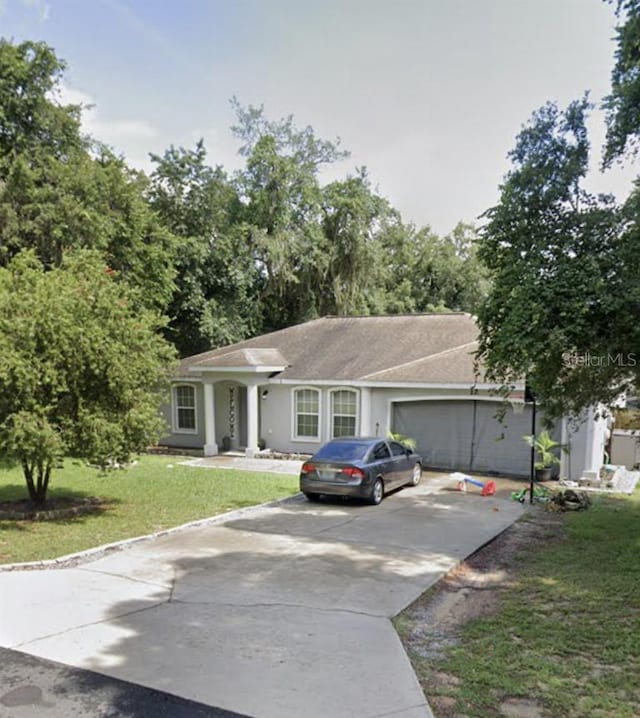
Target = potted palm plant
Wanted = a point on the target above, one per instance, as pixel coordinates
(544, 447)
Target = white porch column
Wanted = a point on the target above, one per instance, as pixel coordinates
(587, 446)
(365, 412)
(210, 446)
(252, 420)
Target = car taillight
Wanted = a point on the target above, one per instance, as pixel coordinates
(353, 472)
(307, 468)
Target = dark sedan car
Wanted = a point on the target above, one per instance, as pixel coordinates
(365, 468)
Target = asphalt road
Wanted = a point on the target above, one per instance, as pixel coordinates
(33, 687)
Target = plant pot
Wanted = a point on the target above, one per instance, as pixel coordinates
(544, 474)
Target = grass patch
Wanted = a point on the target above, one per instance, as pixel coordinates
(155, 494)
(566, 635)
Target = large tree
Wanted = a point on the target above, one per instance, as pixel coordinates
(565, 300)
(427, 272)
(281, 211)
(563, 305)
(356, 269)
(83, 368)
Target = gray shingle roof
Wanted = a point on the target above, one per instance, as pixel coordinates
(401, 348)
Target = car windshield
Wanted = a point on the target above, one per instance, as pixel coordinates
(343, 451)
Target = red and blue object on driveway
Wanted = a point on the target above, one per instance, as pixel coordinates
(488, 488)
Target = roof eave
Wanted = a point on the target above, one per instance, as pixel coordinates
(261, 369)
(482, 386)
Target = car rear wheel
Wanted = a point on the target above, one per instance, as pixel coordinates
(416, 475)
(377, 492)
(312, 497)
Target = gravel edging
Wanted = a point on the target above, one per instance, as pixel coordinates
(91, 505)
(92, 554)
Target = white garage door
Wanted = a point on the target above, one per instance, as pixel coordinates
(466, 435)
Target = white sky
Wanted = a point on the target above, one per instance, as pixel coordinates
(428, 94)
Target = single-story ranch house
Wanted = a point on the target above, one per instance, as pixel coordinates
(293, 389)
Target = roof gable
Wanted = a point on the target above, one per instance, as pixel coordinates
(244, 358)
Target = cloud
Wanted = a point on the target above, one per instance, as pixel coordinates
(112, 131)
(125, 129)
(132, 137)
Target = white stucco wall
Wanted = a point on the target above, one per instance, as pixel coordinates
(277, 417)
(587, 440)
(276, 412)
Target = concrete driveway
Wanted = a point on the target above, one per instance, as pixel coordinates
(280, 613)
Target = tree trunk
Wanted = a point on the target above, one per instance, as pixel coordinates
(27, 470)
(44, 472)
(38, 488)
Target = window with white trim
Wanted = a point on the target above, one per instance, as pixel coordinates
(184, 409)
(344, 413)
(306, 413)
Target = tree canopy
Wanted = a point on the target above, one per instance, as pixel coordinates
(30, 119)
(215, 301)
(271, 246)
(564, 299)
(61, 190)
(225, 256)
(623, 102)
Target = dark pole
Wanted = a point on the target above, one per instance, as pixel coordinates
(533, 450)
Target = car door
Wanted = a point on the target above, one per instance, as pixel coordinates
(402, 465)
(382, 463)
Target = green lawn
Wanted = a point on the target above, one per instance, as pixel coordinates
(155, 494)
(567, 633)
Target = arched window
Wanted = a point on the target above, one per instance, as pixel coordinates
(184, 409)
(306, 414)
(344, 412)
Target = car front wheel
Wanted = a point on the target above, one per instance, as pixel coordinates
(416, 475)
(377, 492)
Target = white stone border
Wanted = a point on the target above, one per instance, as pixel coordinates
(73, 559)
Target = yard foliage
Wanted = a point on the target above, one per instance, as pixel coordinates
(83, 368)
(271, 246)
